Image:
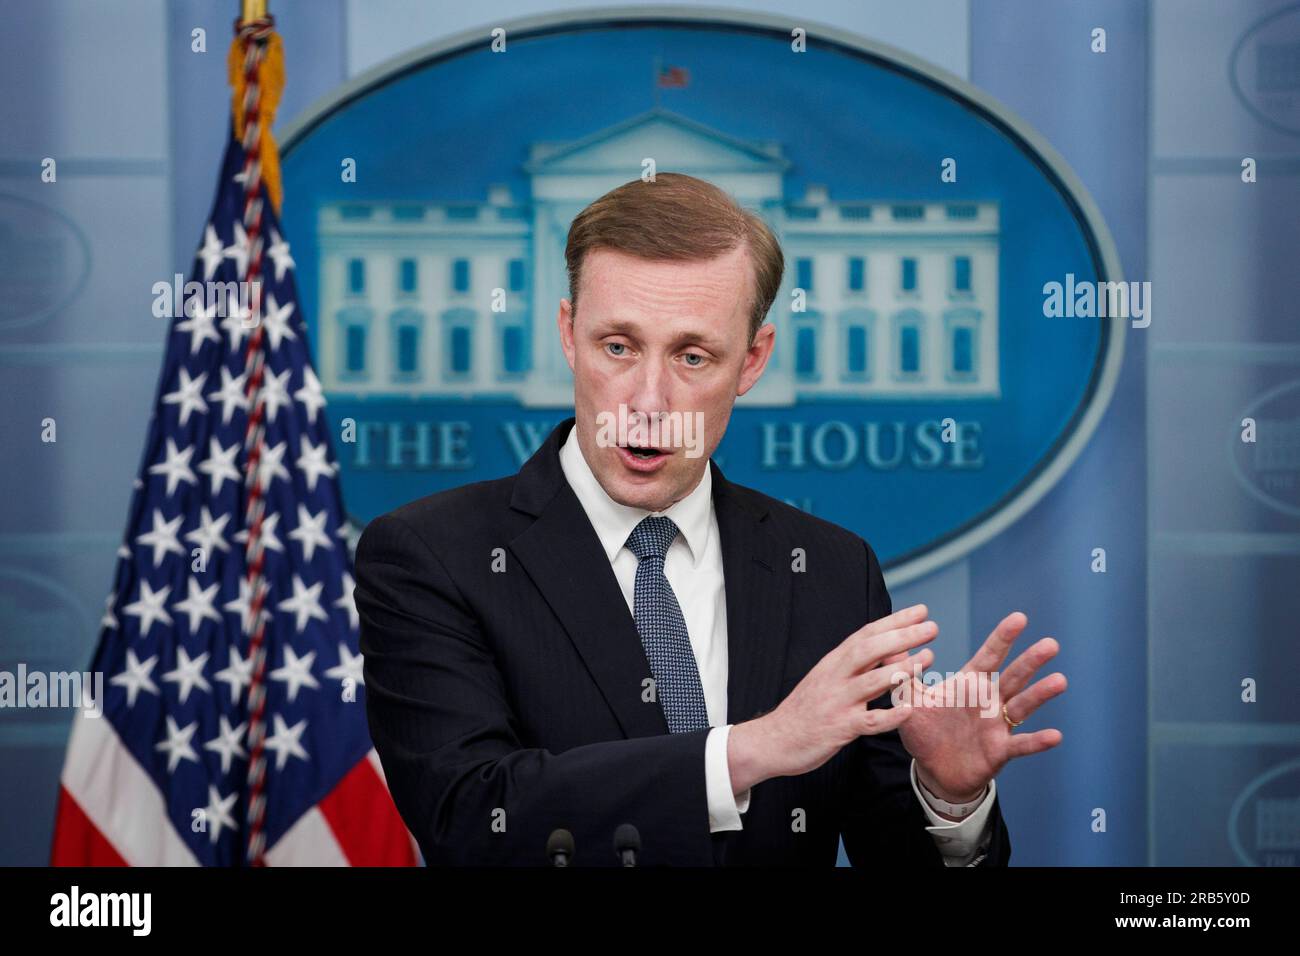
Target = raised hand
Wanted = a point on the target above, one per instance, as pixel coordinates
(957, 731)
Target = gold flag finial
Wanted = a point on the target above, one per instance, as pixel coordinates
(252, 10)
(255, 66)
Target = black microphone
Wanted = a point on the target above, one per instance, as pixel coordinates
(627, 843)
(559, 847)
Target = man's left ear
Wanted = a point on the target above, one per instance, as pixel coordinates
(756, 357)
(564, 322)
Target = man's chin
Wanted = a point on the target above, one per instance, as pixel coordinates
(639, 491)
(641, 496)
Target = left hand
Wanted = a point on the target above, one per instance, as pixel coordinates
(960, 748)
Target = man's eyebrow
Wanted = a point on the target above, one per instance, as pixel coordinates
(631, 329)
(615, 326)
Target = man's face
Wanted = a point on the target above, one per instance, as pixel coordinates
(659, 337)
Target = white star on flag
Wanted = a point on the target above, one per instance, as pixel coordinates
(296, 672)
(310, 394)
(209, 535)
(227, 743)
(276, 323)
(211, 252)
(176, 467)
(217, 813)
(310, 532)
(239, 250)
(348, 602)
(268, 537)
(135, 677)
(149, 607)
(275, 392)
(220, 465)
(177, 745)
(230, 395)
(243, 606)
(286, 741)
(163, 537)
(199, 324)
(279, 253)
(312, 462)
(188, 673)
(348, 667)
(187, 395)
(198, 605)
(305, 604)
(238, 673)
(271, 465)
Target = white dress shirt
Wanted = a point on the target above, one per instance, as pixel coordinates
(693, 567)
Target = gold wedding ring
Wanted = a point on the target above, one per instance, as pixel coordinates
(1010, 723)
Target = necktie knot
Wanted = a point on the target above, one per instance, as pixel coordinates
(652, 536)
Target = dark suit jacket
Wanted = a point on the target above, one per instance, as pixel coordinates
(506, 703)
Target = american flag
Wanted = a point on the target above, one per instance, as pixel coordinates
(674, 77)
(197, 756)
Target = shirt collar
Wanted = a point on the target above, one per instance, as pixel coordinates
(614, 521)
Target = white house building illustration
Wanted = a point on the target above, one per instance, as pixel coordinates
(458, 299)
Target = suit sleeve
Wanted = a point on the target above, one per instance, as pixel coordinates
(881, 818)
(442, 724)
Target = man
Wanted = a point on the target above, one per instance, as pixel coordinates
(619, 634)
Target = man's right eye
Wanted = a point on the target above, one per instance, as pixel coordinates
(615, 345)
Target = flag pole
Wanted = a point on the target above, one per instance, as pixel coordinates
(257, 76)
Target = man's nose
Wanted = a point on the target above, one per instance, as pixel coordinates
(652, 389)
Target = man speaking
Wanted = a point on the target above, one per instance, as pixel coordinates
(617, 634)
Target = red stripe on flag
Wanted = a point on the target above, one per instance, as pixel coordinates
(367, 825)
(77, 841)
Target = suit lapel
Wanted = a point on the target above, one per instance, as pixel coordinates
(758, 601)
(562, 554)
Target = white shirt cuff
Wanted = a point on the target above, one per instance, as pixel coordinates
(724, 808)
(958, 843)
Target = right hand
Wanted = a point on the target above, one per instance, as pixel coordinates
(828, 708)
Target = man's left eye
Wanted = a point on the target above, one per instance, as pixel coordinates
(694, 355)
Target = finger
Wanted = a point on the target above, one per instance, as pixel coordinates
(994, 649)
(1023, 704)
(893, 659)
(1022, 745)
(879, 720)
(908, 615)
(908, 688)
(868, 650)
(1019, 671)
(872, 683)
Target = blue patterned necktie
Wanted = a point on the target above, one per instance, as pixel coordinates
(662, 628)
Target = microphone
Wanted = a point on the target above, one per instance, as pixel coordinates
(559, 847)
(627, 843)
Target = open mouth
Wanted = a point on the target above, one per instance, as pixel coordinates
(645, 453)
(643, 459)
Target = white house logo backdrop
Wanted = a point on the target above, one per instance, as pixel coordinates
(921, 393)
